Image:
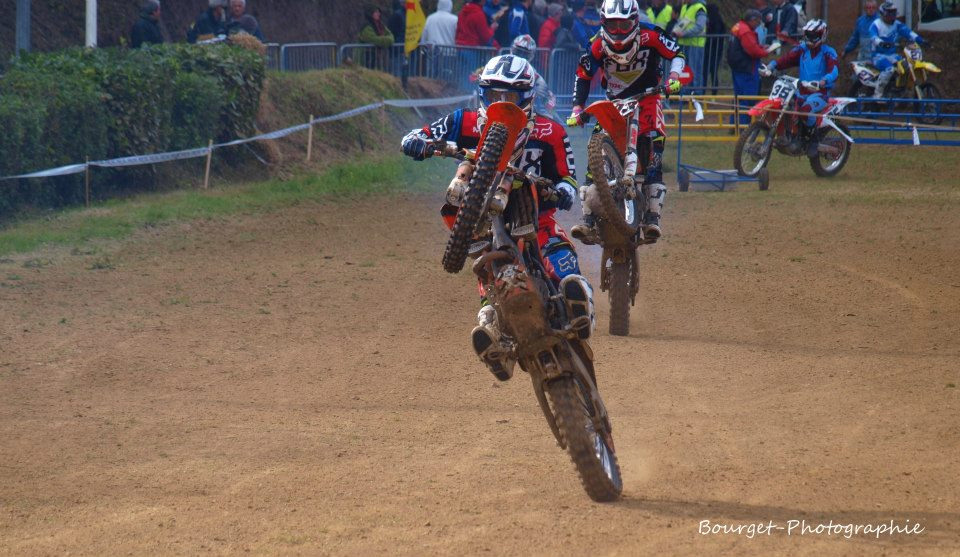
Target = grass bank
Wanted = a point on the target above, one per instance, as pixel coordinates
(118, 219)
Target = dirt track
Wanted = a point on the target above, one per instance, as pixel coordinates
(302, 383)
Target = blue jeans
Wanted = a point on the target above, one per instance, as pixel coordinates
(745, 84)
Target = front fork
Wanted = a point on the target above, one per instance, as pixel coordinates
(630, 162)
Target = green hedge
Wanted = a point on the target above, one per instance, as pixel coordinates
(59, 108)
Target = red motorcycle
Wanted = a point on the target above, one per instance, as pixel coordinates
(778, 127)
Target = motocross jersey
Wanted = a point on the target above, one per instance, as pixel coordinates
(547, 153)
(813, 67)
(626, 80)
(885, 36)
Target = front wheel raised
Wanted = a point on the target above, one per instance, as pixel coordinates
(461, 236)
(606, 165)
(595, 460)
(753, 149)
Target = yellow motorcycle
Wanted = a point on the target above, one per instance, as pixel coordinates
(912, 82)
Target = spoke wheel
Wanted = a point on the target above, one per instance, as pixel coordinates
(747, 156)
(827, 164)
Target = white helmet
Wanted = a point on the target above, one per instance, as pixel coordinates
(814, 32)
(524, 46)
(507, 78)
(619, 25)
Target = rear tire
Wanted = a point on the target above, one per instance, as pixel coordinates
(469, 215)
(745, 161)
(594, 460)
(620, 299)
(836, 165)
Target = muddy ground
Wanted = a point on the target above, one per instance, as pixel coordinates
(301, 383)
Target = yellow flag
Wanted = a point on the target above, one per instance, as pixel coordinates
(415, 21)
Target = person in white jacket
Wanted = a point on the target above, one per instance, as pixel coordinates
(441, 26)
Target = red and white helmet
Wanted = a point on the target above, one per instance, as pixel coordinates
(524, 46)
(619, 25)
(814, 33)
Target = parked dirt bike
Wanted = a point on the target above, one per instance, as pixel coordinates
(621, 203)
(912, 82)
(780, 130)
(494, 207)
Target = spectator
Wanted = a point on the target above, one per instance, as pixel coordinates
(210, 24)
(766, 15)
(398, 21)
(375, 32)
(743, 54)
(495, 10)
(783, 23)
(690, 29)
(441, 25)
(241, 21)
(861, 33)
(146, 29)
(660, 13)
(472, 26)
(537, 15)
(716, 36)
(548, 32)
(587, 22)
(518, 24)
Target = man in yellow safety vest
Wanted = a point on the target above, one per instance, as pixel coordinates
(690, 31)
(660, 13)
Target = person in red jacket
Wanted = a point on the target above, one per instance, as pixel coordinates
(472, 27)
(548, 31)
(743, 55)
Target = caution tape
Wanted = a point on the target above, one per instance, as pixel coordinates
(154, 158)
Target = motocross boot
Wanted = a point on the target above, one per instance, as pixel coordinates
(655, 193)
(882, 80)
(488, 346)
(578, 297)
(587, 232)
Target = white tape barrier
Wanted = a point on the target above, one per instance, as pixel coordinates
(154, 158)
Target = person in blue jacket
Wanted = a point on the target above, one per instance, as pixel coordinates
(885, 33)
(819, 68)
(586, 23)
(861, 33)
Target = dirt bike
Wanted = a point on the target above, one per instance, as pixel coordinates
(621, 203)
(494, 209)
(778, 127)
(912, 82)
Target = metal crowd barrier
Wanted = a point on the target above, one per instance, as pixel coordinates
(273, 56)
(299, 57)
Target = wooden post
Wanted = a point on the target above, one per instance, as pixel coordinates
(310, 138)
(86, 183)
(206, 174)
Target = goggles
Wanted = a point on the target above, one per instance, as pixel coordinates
(493, 95)
(813, 36)
(619, 26)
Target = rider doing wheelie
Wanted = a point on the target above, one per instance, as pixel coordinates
(630, 55)
(819, 68)
(547, 154)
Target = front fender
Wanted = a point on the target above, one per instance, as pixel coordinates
(610, 119)
(763, 106)
(930, 67)
(511, 116)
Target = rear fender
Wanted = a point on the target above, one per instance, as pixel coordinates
(511, 116)
(765, 105)
(610, 119)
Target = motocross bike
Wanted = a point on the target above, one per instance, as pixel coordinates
(777, 125)
(620, 202)
(494, 208)
(912, 82)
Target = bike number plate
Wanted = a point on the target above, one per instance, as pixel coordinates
(781, 90)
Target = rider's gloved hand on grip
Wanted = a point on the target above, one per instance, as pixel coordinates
(765, 70)
(673, 86)
(565, 195)
(416, 148)
(575, 119)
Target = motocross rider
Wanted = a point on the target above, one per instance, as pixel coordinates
(547, 154)
(819, 68)
(885, 32)
(630, 55)
(544, 100)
